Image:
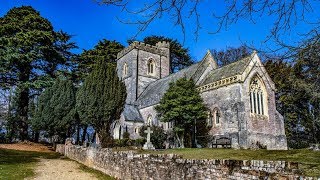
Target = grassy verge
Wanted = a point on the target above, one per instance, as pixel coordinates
(17, 165)
(309, 161)
(98, 174)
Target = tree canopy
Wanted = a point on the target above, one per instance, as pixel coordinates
(101, 98)
(30, 52)
(105, 50)
(297, 95)
(183, 106)
(55, 112)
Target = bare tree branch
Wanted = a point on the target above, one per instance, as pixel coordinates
(287, 14)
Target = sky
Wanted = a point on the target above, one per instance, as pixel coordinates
(90, 22)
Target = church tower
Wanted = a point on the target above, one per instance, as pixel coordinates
(140, 64)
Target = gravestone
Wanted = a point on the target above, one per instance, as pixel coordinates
(148, 144)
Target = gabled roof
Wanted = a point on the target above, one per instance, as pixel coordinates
(154, 92)
(131, 113)
(207, 61)
(229, 70)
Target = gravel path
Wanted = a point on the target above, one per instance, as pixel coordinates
(55, 169)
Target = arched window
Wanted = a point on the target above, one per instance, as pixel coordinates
(216, 116)
(257, 97)
(149, 120)
(137, 130)
(209, 120)
(125, 70)
(151, 67)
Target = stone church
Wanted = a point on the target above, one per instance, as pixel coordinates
(240, 96)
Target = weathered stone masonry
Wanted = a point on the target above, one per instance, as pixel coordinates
(240, 96)
(130, 165)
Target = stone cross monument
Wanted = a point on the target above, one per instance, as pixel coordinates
(148, 144)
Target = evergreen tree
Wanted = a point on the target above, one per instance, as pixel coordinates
(307, 69)
(180, 56)
(43, 117)
(56, 109)
(297, 95)
(287, 98)
(105, 50)
(183, 105)
(30, 53)
(101, 99)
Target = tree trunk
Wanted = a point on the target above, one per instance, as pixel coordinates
(36, 136)
(23, 104)
(93, 137)
(84, 132)
(104, 136)
(180, 139)
(78, 134)
(77, 120)
(193, 136)
(23, 100)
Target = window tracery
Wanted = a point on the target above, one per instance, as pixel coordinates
(257, 97)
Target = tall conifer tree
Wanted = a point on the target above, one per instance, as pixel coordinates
(101, 99)
(30, 52)
(56, 109)
(105, 50)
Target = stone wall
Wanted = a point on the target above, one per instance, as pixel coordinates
(60, 148)
(266, 129)
(227, 100)
(130, 165)
(231, 97)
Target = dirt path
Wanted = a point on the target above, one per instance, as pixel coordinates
(27, 146)
(52, 169)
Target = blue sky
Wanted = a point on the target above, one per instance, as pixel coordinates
(89, 22)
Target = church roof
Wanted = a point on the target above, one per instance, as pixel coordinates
(203, 66)
(229, 70)
(154, 92)
(131, 113)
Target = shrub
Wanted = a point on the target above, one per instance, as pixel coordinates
(126, 135)
(139, 142)
(158, 137)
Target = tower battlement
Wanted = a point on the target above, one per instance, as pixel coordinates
(158, 49)
(163, 44)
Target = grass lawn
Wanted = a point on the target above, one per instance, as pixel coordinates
(17, 165)
(309, 161)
